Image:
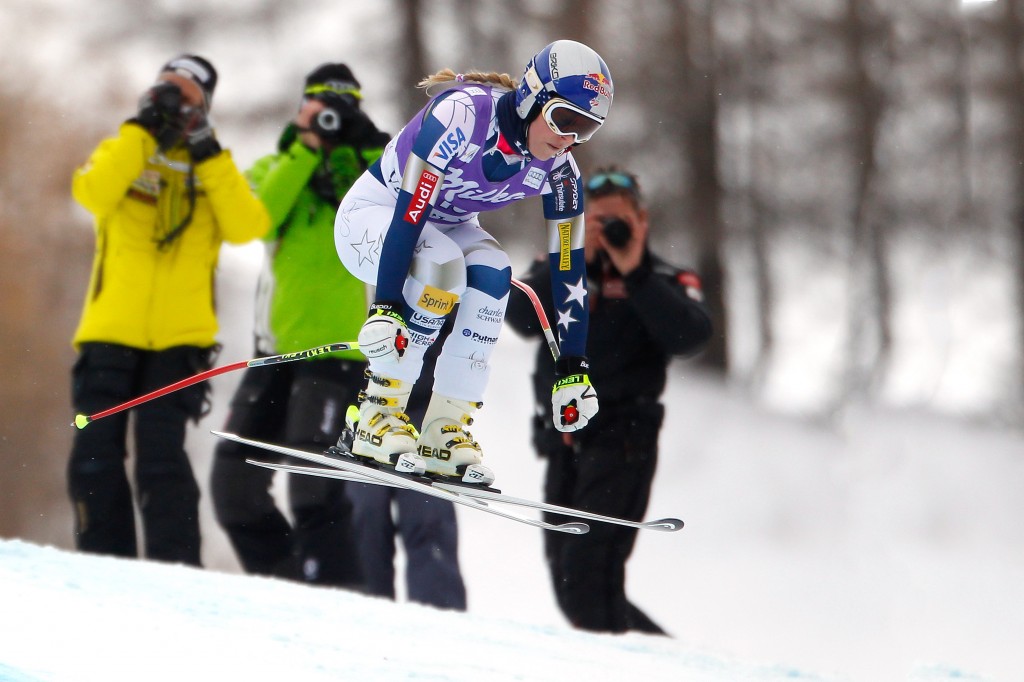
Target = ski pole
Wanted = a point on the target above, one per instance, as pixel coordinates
(543, 318)
(81, 420)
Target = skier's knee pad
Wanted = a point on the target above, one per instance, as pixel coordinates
(488, 269)
(435, 283)
(459, 375)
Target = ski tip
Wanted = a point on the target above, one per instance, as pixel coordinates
(573, 528)
(668, 525)
(81, 421)
(227, 435)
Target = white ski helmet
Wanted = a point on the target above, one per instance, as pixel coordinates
(572, 72)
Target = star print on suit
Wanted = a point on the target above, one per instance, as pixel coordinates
(577, 293)
(368, 250)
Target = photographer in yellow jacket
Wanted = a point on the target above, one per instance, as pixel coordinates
(165, 196)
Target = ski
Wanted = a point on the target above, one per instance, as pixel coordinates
(422, 485)
(339, 474)
(668, 524)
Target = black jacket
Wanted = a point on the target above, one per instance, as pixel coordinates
(637, 324)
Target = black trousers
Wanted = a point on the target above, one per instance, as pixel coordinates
(168, 497)
(302, 405)
(430, 536)
(608, 469)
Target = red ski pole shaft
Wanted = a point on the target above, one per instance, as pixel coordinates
(541, 316)
(81, 420)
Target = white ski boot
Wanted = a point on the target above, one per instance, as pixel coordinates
(444, 444)
(381, 429)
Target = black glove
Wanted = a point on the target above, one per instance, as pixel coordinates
(342, 123)
(567, 365)
(361, 132)
(199, 137)
(160, 114)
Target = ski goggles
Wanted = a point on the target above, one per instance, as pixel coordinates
(347, 92)
(565, 118)
(607, 182)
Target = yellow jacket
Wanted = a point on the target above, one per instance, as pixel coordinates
(142, 294)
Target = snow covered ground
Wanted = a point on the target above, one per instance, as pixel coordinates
(84, 619)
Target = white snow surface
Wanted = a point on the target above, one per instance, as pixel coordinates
(86, 618)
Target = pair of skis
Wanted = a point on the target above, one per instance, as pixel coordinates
(473, 497)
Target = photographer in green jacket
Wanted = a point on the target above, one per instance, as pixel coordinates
(305, 298)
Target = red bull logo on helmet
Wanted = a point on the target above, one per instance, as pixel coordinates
(597, 82)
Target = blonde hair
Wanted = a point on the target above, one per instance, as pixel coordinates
(446, 76)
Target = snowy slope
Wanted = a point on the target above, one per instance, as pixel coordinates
(83, 618)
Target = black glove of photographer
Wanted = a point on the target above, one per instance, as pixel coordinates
(342, 123)
(199, 137)
(361, 132)
(160, 114)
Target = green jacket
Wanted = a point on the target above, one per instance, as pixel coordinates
(142, 294)
(306, 297)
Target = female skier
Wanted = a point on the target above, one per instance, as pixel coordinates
(410, 227)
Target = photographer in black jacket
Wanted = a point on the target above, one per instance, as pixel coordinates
(643, 312)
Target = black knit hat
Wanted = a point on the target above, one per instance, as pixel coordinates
(196, 69)
(330, 77)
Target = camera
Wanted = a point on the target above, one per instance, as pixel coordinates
(617, 231)
(327, 123)
(160, 112)
(166, 97)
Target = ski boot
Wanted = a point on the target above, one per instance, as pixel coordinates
(445, 446)
(380, 428)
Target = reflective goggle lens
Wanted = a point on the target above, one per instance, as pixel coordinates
(598, 182)
(566, 119)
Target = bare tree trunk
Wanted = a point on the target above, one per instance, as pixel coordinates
(871, 290)
(45, 257)
(577, 21)
(412, 60)
(698, 99)
(756, 68)
(1012, 37)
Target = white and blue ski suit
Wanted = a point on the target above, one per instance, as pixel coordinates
(410, 226)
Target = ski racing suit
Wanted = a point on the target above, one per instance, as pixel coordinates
(410, 226)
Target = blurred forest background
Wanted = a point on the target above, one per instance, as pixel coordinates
(847, 175)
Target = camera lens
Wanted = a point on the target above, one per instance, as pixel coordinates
(617, 232)
(328, 120)
(167, 96)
